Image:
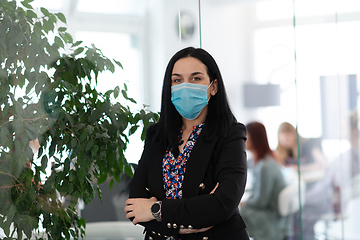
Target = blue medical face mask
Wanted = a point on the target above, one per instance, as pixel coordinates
(189, 99)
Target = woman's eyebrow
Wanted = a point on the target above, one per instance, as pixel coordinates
(196, 73)
(192, 74)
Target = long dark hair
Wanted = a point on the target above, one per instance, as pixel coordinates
(260, 144)
(219, 115)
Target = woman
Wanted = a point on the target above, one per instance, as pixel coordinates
(192, 173)
(313, 165)
(260, 212)
(311, 155)
(286, 149)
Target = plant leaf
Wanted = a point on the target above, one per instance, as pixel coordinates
(94, 150)
(77, 43)
(116, 91)
(77, 51)
(31, 14)
(89, 145)
(118, 63)
(44, 11)
(111, 184)
(102, 178)
(44, 162)
(129, 170)
(62, 29)
(26, 4)
(58, 41)
(61, 17)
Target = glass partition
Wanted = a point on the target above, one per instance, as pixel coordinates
(327, 61)
(308, 50)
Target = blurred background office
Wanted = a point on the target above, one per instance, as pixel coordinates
(282, 61)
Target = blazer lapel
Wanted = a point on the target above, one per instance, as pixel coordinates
(197, 164)
(155, 158)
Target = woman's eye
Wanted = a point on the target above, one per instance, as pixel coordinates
(195, 79)
(177, 80)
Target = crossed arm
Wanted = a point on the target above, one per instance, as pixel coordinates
(139, 210)
(229, 169)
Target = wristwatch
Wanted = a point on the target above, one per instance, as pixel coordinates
(156, 210)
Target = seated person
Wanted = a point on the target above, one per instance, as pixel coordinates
(313, 166)
(311, 156)
(260, 211)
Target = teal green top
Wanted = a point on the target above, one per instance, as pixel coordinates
(260, 213)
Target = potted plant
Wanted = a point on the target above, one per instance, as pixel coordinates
(49, 102)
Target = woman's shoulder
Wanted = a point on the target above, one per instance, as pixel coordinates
(152, 127)
(236, 129)
(269, 162)
(235, 132)
(238, 125)
(150, 132)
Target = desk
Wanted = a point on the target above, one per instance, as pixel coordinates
(290, 175)
(312, 176)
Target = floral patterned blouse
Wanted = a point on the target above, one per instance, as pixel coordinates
(174, 169)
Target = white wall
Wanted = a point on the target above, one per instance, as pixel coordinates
(230, 32)
(226, 35)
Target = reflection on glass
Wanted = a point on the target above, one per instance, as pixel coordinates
(187, 25)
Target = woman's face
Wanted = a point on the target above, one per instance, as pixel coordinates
(287, 140)
(192, 70)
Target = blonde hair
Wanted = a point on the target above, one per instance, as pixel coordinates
(281, 151)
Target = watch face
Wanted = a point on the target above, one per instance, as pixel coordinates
(155, 207)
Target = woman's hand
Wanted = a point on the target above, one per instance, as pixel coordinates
(242, 204)
(190, 231)
(139, 209)
(213, 191)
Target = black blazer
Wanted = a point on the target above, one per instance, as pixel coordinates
(220, 160)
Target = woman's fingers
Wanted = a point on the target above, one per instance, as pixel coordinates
(205, 229)
(187, 231)
(190, 231)
(130, 201)
(128, 208)
(130, 215)
(153, 199)
(139, 209)
(212, 192)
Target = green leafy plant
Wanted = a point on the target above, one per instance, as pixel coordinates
(48, 99)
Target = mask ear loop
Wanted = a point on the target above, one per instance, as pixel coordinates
(207, 89)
